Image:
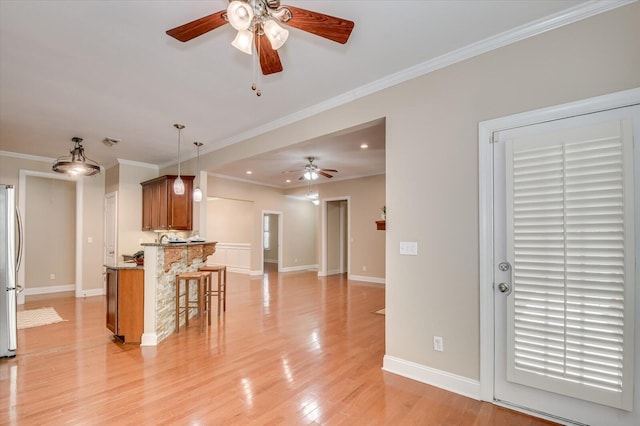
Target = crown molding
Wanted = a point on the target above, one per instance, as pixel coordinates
(548, 23)
(26, 156)
(138, 164)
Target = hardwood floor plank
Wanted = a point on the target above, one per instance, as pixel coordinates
(292, 348)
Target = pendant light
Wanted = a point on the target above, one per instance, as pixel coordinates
(77, 163)
(197, 193)
(178, 184)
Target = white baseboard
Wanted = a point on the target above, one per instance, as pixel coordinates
(62, 288)
(29, 291)
(367, 279)
(238, 270)
(91, 293)
(149, 339)
(299, 268)
(442, 379)
(334, 272)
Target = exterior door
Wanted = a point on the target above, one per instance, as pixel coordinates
(565, 282)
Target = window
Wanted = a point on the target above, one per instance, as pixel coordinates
(265, 236)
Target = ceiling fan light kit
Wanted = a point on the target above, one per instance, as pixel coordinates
(240, 15)
(243, 41)
(76, 164)
(256, 20)
(311, 171)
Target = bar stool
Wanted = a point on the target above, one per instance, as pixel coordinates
(221, 292)
(203, 280)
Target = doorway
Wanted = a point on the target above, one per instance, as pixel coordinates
(558, 327)
(271, 241)
(65, 270)
(335, 236)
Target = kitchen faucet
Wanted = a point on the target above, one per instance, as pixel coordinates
(163, 236)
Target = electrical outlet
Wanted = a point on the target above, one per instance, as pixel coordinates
(438, 344)
(52, 276)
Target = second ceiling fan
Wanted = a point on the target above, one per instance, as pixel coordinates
(258, 21)
(311, 171)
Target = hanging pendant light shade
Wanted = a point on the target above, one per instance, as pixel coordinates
(178, 184)
(197, 193)
(77, 163)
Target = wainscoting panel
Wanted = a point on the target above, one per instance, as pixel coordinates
(236, 256)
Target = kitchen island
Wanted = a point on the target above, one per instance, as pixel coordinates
(125, 301)
(162, 262)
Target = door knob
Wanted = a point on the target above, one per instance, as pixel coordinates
(504, 288)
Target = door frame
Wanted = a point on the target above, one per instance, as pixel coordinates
(280, 234)
(22, 190)
(485, 206)
(107, 196)
(322, 271)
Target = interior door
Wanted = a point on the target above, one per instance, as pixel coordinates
(565, 237)
(110, 228)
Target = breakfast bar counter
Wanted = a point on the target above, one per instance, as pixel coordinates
(162, 262)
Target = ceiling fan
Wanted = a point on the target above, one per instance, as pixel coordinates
(311, 171)
(257, 21)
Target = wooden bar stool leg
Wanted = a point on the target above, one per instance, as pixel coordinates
(219, 291)
(177, 330)
(187, 289)
(208, 300)
(201, 312)
(224, 289)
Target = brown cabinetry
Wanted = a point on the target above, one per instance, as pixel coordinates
(162, 209)
(125, 303)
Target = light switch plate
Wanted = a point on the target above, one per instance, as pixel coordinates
(409, 248)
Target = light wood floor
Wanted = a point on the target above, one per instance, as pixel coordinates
(291, 349)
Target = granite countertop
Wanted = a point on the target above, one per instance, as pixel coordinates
(124, 265)
(188, 243)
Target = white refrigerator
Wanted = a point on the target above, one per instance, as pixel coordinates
(10, 253)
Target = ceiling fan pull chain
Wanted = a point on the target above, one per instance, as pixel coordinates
(254, 86)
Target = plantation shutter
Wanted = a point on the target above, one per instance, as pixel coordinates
(570, 243)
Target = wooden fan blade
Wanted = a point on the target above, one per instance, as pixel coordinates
(327, 175)
(198, 27)
(269, 58)
(326, 26)
(329, 170)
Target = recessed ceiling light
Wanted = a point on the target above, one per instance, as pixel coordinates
(364, 146)
(288, 180)
(249, 172)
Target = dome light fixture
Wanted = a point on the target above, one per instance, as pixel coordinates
(76, 164)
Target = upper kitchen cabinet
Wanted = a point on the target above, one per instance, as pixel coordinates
(162, 209)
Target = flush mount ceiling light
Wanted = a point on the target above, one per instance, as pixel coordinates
(77, 163)
(256, 20)
(178, 184)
